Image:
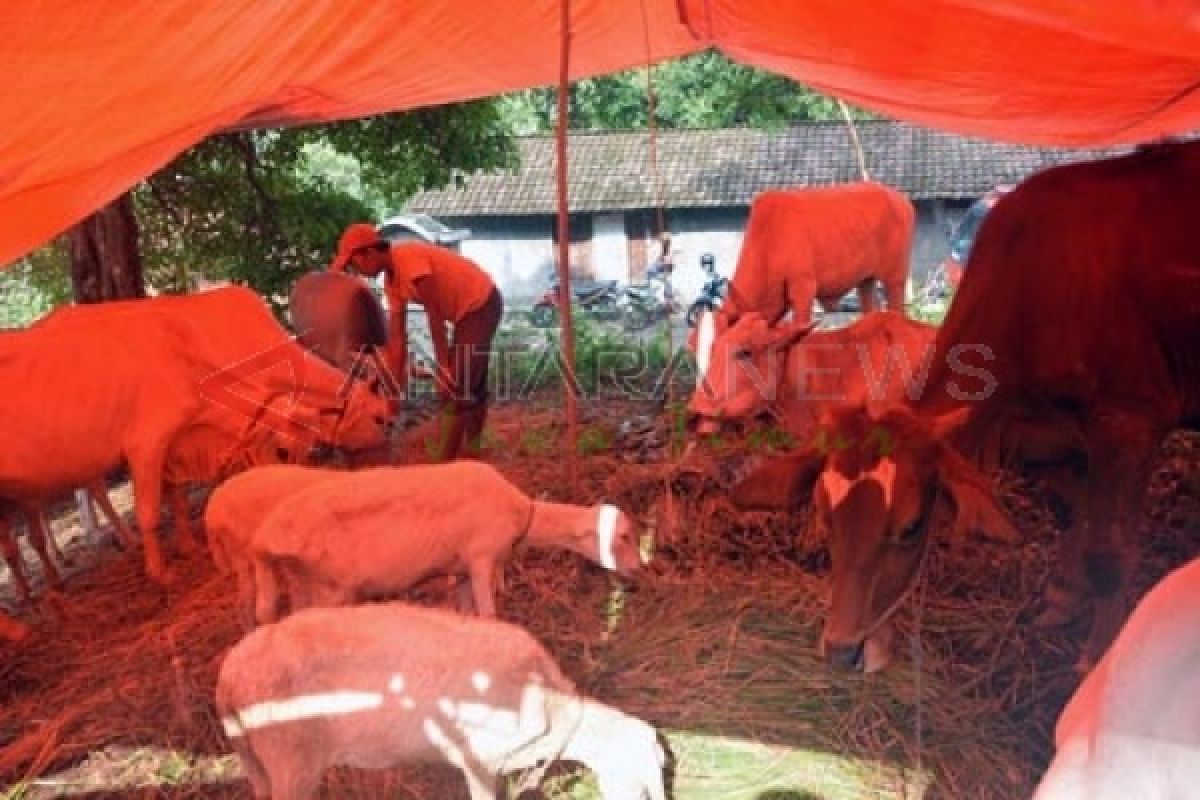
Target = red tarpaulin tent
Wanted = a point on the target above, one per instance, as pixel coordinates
(99, 95)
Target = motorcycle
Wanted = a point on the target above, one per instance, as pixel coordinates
(711, 294)
(596, 298)
(643, 304)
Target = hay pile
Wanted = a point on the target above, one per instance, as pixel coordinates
(716, 645)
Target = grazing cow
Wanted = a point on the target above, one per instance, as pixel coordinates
(1132, 728)
(376, 532)
(1086, 295)
(821, 243)
(180, 389)
(389, 685)
(336, 316)
(881, 486)
(1073, 344)
(796, 375)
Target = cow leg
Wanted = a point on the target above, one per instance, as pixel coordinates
(12, 555)
(800, 294)
(181, 510)
(866, 296)
(146, 473)
(1121, 446)
(99, 492)
(483, 586)
(38, 535)
(896, 292)
(1067, 595)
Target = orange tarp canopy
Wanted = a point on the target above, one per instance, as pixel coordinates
(99, 95)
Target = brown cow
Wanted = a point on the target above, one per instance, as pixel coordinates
(821, 243)
(1077, 325)
(180, 389)
(881, 485)
(796, 375)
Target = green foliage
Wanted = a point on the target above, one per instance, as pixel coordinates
(264, 207)
(33, 286)
(705, 90)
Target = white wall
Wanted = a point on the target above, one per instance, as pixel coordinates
(610, 248)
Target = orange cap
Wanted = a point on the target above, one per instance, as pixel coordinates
(354, 238)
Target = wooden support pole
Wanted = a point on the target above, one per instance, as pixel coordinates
(567, 339)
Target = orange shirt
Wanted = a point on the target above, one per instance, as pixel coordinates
(456, 286)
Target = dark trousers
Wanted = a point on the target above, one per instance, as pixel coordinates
(470, 353)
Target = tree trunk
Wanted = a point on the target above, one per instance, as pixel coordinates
(105, 261)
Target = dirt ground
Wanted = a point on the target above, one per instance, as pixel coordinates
(111, 697)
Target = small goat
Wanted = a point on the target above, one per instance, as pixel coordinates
(376, 532)
(384, 685)
(236, 509)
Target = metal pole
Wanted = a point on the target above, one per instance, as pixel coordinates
(567, 342)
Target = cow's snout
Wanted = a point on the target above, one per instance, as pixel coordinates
(846, 657)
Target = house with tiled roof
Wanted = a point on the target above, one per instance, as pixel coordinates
(704, 181)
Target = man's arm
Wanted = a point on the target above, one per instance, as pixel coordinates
(397, 346)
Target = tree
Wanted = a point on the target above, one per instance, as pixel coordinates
(705, 90)
(105, 261)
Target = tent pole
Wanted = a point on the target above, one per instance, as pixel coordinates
(567, 336)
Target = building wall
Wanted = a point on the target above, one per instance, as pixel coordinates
(518, 251)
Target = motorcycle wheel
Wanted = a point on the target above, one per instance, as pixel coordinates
(636, 319)
(544, 316)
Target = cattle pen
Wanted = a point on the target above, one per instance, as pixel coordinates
(715, 645)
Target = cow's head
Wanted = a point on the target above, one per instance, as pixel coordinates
(362, 421)
(739, 377)
(881, 486)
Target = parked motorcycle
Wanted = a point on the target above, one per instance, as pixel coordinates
(712, 294)
(643, 304)
(596, 298)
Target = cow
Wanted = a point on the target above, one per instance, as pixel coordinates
(819, 243)
(795, 374)
(1132, 728)
(881, 484)
(180, 389)
(1070, 350)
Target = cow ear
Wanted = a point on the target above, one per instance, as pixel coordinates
(976, 507)
(783, 483)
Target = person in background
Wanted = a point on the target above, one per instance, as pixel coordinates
(453, 290)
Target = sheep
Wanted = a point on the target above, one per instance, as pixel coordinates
(388, 684)
(238, 506)
(1132, 728)
(379, 531)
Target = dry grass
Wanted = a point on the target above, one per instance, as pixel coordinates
(112, 696)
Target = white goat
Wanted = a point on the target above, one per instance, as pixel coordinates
(384, 685)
